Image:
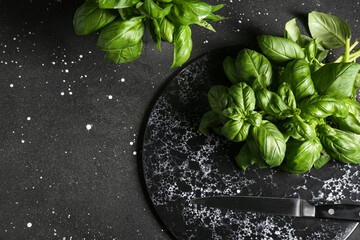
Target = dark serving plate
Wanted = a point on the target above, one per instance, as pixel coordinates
(181, 164)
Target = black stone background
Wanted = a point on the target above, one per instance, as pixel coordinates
(59, 180)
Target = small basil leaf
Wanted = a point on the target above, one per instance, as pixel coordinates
(322, 55)
(152, 10)
(292, 32)
(217, 7)
(208, 121)
(117, 3)
(319, 106)
(357, 81)
(233, 113)
(349, 123)
(284, 91)
(121, 34)
(243, 96)
(182, 45)
(128, 13)
(301, 155)
(219, 98)
(268, 142)
(254, 118)
(279, 49)
(311, 51)
(336, 79)
(188, 12)
(305, 130)
(330, 29)
(341, 145)
(270, 102)
(298, 75)
(322, 160)
(167, 30)
(236, 130)
(154, 28)
(165, 1)
(125, 55)
(250, 64)
(206, 25)
(288, 129)
(89, 18)
(214, 18)
(230, 71)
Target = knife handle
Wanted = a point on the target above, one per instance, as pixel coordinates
(338, 211)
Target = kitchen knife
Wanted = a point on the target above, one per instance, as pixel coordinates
(295, 207)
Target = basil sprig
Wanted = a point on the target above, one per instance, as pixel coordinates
(123, 23)
(290, 109)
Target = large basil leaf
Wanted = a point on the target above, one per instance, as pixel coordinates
(209, 120)
(89, 18)
(117, 3)
(152, 10)
(182, 45)
(341, 145)
(298, 75)
(121, 34)
(250, 64)
(243, 96)
(167, 30)
(336, 79)
(236, 130)
(292, 32)
(284, 91)
(246, 159)
(219, 98)
(301, 155)
(269, 101)
(125, 55)
(330, 29)
(268, 142)
(318, 106)
(350, 123)
(230, 70)
(186, 12)
(280, 49)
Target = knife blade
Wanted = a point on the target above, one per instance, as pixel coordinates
(295, 207)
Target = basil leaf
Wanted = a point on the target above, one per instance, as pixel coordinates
(250, 64)
(298, 75)
(246, 159)
(128, 13)
(284, 91)
(89, 18)
(341, 145)
(209, 120)
(165, 1)
(330, 29)
(154, 28)
(152, 10)
(206, 25)
(254, 118)
(219, 98)
(182, 45)
(270, 102)
(292, 32)
(336, 79)
(214, 18)
(121, 34)
(188, 12)
(311, 51)
(243, 96)
(117, 3)
(279, 49)
(167, 30)
(301, 155)
(125, 55)
(349, 123)
(288, 129)
(357, 81)
(236, 130)
(322, 160)
(321, 107)
(230, 71)
(305, 130)
(217, 7)
(268, 142)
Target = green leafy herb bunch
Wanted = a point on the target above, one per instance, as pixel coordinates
(123, 23)
(289, 108)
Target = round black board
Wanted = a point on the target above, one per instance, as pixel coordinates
(181, 164)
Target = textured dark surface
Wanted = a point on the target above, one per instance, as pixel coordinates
(71, 125)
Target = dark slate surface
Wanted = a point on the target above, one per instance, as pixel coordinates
(71, 125)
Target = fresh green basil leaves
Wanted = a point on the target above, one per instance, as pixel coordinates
(123, 24)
